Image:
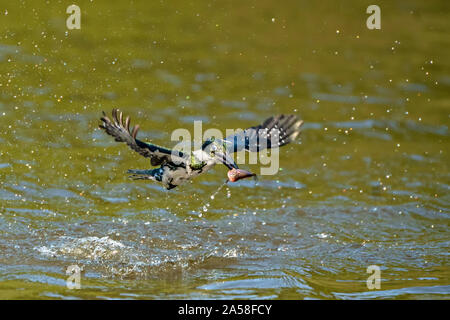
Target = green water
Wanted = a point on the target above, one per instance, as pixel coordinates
(367, 183)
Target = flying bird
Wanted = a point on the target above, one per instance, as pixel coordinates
(174, 167)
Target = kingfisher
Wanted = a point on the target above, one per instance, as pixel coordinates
(174, 167)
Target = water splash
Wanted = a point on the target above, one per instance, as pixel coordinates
(218, 190)
(212, 197)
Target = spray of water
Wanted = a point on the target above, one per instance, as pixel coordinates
(214, 194)
(212, 197)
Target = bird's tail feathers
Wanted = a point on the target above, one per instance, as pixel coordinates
(144, 174)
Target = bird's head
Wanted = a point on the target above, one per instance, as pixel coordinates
(213, 145)
(217, 150)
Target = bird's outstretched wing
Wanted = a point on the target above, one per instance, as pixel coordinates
(272, 133)
(120, 130)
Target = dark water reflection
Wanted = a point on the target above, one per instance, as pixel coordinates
(367, 184)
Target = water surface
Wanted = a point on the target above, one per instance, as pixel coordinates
(367, 183)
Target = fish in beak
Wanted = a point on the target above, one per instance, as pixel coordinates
(234, 174)
(238, 174)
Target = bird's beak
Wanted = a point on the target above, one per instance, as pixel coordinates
(227, 160)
